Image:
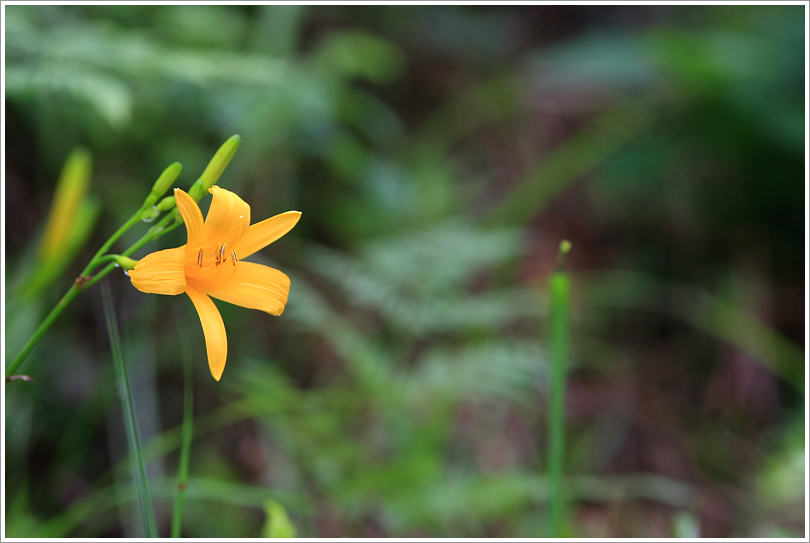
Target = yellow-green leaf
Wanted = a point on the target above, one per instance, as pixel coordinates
(278, 524)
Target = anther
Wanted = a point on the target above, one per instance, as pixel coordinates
(199, 258)
(222, 251)
(233, 257)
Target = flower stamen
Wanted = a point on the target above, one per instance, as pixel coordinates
(199, 258)
(219, 253)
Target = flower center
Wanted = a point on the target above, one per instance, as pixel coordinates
(220, 257)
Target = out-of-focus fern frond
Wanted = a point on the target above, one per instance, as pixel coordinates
(494, 369)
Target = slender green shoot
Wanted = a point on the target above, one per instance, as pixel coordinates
(72, 292)
(559, 309)
(130, 421)
(187, 432)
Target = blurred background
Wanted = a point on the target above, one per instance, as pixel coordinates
(439, 155)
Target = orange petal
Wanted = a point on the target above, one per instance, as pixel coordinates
(260, 235)
(216, 342)
(252, 285)
(162, 272)
(227, 217)
(191, 214)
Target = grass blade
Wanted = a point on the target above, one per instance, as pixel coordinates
(130, 421)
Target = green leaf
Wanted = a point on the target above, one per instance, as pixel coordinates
(278, 524)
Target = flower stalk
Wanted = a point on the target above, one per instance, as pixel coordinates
(169, 222)
(84, 281)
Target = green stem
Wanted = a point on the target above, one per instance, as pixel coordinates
(130, 420)
(96, 260)
(559, 309)
(106, 258)
(188, 431)
(72, 292)
(160, 229)
(100, 275)
(155, 232)
(149, 236)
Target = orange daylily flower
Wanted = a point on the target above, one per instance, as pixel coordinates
(211, 264)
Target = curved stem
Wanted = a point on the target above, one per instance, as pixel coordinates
(97, 259)
(160, 229)
(106, 258)
(100, 275)
(146, 238)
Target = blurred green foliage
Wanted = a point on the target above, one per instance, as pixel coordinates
(438, 155)
(278, 523)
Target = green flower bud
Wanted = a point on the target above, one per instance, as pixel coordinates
(166, 204)
(196, 191)
(163, 183)
(217, 165)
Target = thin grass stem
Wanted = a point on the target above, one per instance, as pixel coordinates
(558, 321)
(130, 420)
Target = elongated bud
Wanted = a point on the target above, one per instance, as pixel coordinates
(163, 183)
(70, 193)
(124, 262)
(166, 204)
(215, 168)
(196, 191)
